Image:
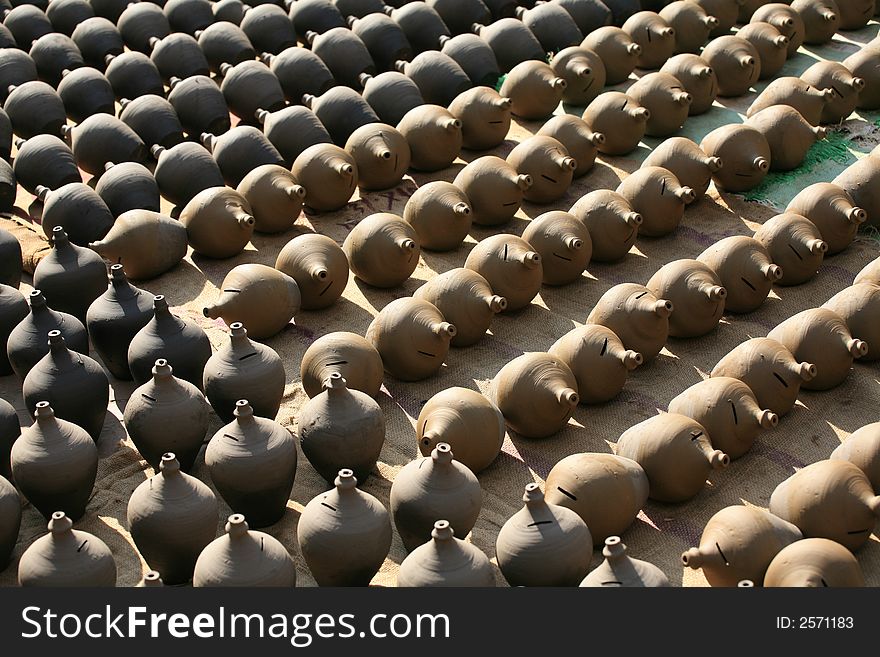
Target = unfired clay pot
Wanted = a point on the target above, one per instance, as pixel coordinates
(494, 188)
(696, 292)
(146, 243)
(726, 11)
(54, 464)
(666, 100)
(821, 19)
(102, 138)
(242, 557)
(134, 74)
(128, 186)
(743, 266)
(845, 85)
(736, 63)
(552, 25)
(739, 542)
(431, 487)
(769, 369)
(218, 222)
(856, 305)
(583, 72)
(10, 252)
(224, 43)
(511, 266)
(10, 520)
(745, 153)
(475, 56)
(870, 273)
(576, 137)
(239, 151)
(655, 37)
(344, 53)
(439, 77)
(182, 343)
(35, 109)
(859, 180)
(863, 63)
(618, 52)
(85, 91)
(639, 319)
(66, 557)
(547, 164)
(511, 41)
(577, 480)
(536, 393)
(686, 161)
(391, 95)
(795, 244)
(329, 175)
(788, 134)
(275, 197)
(676, 454)
(440, 213)
(445, 561)
(786, 20)
(434, 136)
(805, 98)
(13, 310)
(612, 222)
(252, 462)
(250, 86)
(172, 517)
(260, 297)
(319, 267)
(771, 44)
(382, 250)
(344, 534)
(185, 170)
(382, 155)
(347, 353)
(75, 385)
(484, 116)
(563, 243)
(829, 499)
(814, 563)
(692, 25)
(244, 369)
(659, 198)
(166, 401)
(621, 570)
(697, 78)
(832, 211)
(465, 420)
(293, 129)
(862, 449)
(9, 433)
(598, 360)
(538, 530)
(620, 118)
(534, 90)
(342, 111)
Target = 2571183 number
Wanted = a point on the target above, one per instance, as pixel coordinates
(815, 622)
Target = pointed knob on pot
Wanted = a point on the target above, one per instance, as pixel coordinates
(42, 192)
(817, 246)
(238, 333)
(558, 83)
(152, 578)
(444, 330)
(766, 418)
(335, 383)
(780, 41)
(345, 480)
(56, 341)
(442, 531)
(530, 259)
(496, 303)
(745, 584)
(156, 150)
(406, 244)
(682, 98)
(400, 65)
(693, 558)
(162, 370)
(709, 21)
(857, 348)
(503, 103)
(703, 72)
(761, 164)
(663, 308)
(829, 16)
(827, 94)
(614, 549)
(634, 49)
(523, 181)
(59, 237)
(641, 113)
(319, 273)
(59, 523)
(236, 526)
(857, 215)
(461, 209)
(857, 83)
(597, 139)
(442, 454)
(634, 219)
(666, 32)
(261, 115)
(342, 167)
(169, 466)
(568, 397)
(266, 58)
(807, 371)
(243, 412)
(208, 141)
(632, 359)
(685, 195)
(567, 162)
(715, 292)
(771, 272)
(311, 36)
(44, 412)
(746, 61)
(714, 164)
(451, 124)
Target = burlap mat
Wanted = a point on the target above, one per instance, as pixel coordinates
(809, 433)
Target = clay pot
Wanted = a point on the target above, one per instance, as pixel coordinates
(274, 196)
(564, 244)
(292, 130)
(54, 463)
(200, 105)
(239, 151)
(534, 90)
(319, 267)
(845, 85)
(172, 517)
(697, 78)
(7, 190)
(27, 23)
(686, 161)
(382, 155)
(865, 64)
(66, 557)
(583, 72)
(739, 542)
(422, 25)
(344, 534)
(382, 250)
(242, 557)
(133, 74)
(696, 292)
(166, 401)
(769, 369)
(805, 98)
(315, 15)
(620, 570)
(745, 153)
(10, 259)
(546, 162)
(96, 38)
(128, 186)
(589, 15)
(465, 420)
(140, 22)
(224, 43)
(814, 563)
(771, 44)
(445, 561)
(736, 63)
(494, 188)
(820, 336)
(391, 95)
(666, 101)
(65, 15)
(745, 270)
(620, 118)
(511, 41)
(578, 479)
(178, 55)
(115, 317)
(786, 20)
(146, 243)
(13, 309)
(787, 133)
(725, 11)
(475, 57)
(249, 86)
(347, 353)
(34, 109)
(691, 23)
(54, 53)
(16, 68)
(229, 10)
(676, 454)
(412, 337)
(383, 37)
(618, 52)
(537, 530)
(268, 28)
(218, 222)
(344, 54)
(576, 137)
(859, 181)
(85, 91)
(300, 72)
(464, 298)
(328, 174)
(552, 25)
(182, 343)
(536, 393)
(342, 111)
(252, 462)
(70, 276)
(831, 209)
(185, 170)
(829, 499)
(258, 296)
(821, 19)
(10, 520)
(612, 223)
(109, 9)
(656, 194)
(654, 36)
(434, 136)
(870, 273)
(76, 209)
(511, 266)
(794, 243)
(862, 449)
(856, 306)
(439, 78)
(27, 341)
(484, 116)
(440, 214)
(639, 319)
(102, 138)
(188, 16)
(459, 16)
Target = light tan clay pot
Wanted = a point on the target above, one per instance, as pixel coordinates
(795, 244)
(620, 118)
(511, 266)
(821, 19)
(788, 134)
(658, 196)
(494, 188)
(786, 20)
(434, 135)
(687, 162)
(804, 97)
(845, 85)
(736, 62)
(743, 266)
(857, 306)
(382, 250)
(745, 153)
(860, 180)
(655, 37)
(666, 99)
(218, 222)
(382, 155)
(347, 353)
(832, 211)
(563, 243)
(445, 561)
(726, 11)
(583, 72)
(696, 292)
(547, 164)
(863, 63)
(440, 213)
(319, 267)
(576, 137)
(639, 319)
(692, 25)
(484, 116)
(329, 175)
(697, 78)
(771, 44)
(814, 563)
(275, 197)
(612, 222)
(862, 449)
(534, 90)
(617, 50)
(621, 570)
